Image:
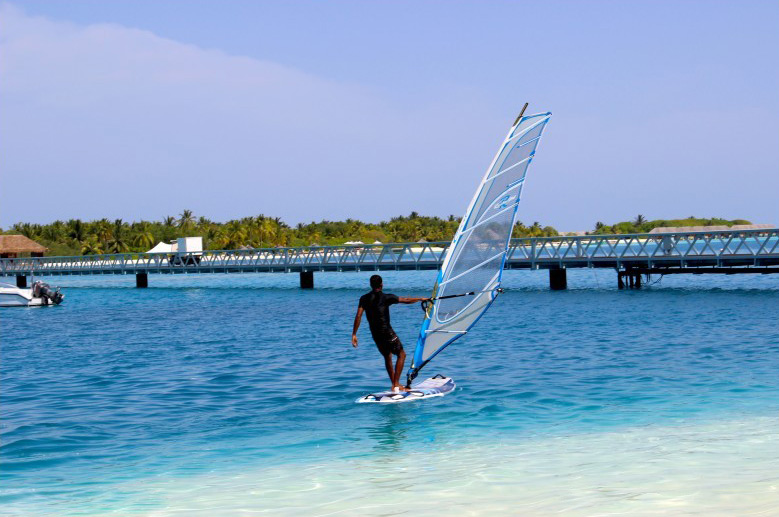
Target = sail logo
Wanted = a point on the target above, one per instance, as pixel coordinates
(503, 202)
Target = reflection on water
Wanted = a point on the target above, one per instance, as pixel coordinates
(390, 431)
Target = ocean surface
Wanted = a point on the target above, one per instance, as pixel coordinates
(234, 395)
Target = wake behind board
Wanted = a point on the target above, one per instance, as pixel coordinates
(437, 386)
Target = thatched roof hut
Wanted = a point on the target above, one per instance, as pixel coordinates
(13, 245)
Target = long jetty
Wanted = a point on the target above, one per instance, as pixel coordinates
(631, 256)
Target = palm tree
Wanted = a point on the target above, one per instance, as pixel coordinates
(282, 238)
(415, 230)
(103, 231)
(76, 230)
(266, 230)
(519, 230)
(203, 224)
(144, 239)
(31, 231)
(118, 228)
(214, 237)
(279, 222)
(117, 243)
(187, 220)
(639, 220)
(236, 234)
(118, 246)
(91, 246)
(54, 231)
(219, 240)
(169, 230)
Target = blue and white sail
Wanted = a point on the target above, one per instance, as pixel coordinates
(470, 276)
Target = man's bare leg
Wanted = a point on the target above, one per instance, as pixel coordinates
(388, 366)
(399, 370)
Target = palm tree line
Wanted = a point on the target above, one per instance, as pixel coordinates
(75, 237)
(641, 225)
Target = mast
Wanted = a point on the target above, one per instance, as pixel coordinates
(469, 279)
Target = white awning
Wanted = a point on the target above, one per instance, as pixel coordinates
(164, 247)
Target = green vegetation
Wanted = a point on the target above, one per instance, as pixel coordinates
(76, 237)
(641, 225)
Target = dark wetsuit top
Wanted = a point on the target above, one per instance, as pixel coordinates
(376, 306)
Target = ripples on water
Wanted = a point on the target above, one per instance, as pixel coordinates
(127, 400)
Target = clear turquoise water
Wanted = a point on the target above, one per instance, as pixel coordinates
(127, 400)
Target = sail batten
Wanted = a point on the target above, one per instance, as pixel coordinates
(518, 164)
(469, 270)
(470, 276)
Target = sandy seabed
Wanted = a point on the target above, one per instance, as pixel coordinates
(718, 469)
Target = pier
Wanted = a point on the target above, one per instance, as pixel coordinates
(631, 256)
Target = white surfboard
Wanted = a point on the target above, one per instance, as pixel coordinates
(437, 386)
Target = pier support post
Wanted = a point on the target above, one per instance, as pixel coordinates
(141, 280)
(629, 277)
(306, 279)
(21, 281)
(558, 279)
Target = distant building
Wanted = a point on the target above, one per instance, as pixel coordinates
(11, 246)
(718, 228)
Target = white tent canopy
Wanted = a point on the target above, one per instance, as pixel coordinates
(164, 247)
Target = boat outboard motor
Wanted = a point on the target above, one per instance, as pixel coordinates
(43, 290)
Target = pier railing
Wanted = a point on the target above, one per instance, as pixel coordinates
(721, 248)
(691, 249)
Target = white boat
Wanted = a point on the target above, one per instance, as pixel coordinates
(39, 294)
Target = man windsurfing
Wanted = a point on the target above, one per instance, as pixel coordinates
(376, 306)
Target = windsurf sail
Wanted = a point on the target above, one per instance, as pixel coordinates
(469, 279)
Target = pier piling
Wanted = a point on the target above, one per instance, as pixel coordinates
(632, 276)
(21, 281)
(141, 280)
(558, 279)
(306, 279)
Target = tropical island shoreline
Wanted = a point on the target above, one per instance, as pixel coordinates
(77, 237)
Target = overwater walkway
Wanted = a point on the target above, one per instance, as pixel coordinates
(741, 251)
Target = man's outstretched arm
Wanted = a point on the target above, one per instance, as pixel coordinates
(411, 300)
(357, 320)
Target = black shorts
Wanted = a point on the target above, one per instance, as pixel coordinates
(388, 344)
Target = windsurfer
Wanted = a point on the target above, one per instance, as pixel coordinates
(376, 306)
